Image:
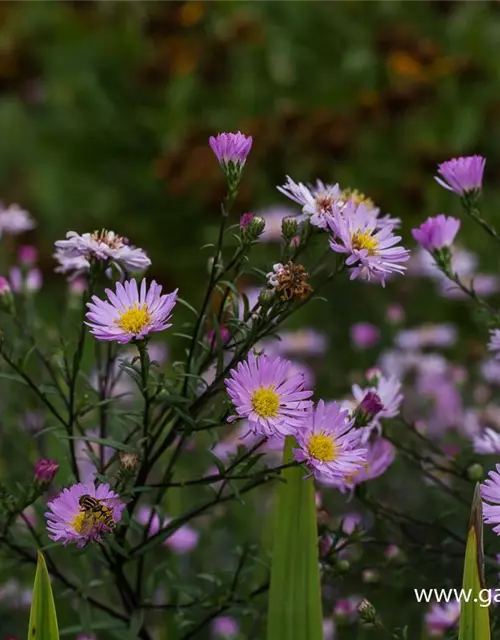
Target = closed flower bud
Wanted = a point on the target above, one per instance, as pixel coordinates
(45, 470)
(367, 612)
(251, 226)
(289, 228)
(476, 472)
(368, 409)
(343, 566)
(267, 297)
(370, 576)
(6, 299)
(129, 461)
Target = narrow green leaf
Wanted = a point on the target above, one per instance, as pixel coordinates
(294, 596)
(43, 618)
(474, 615)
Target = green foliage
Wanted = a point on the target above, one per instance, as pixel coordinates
(43, 617)
(474, 616)
(294, 611)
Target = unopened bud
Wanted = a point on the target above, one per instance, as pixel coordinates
(266, 297)
(370, 576)
(27, 255)
(367, 612)
(368, 409)
(289, 228)
(6, 298)
(129, 461)
(45, 470)
(475, 472)
(251, 226)
(343, 566)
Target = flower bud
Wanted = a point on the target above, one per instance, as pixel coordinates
(6, 298)
(370, 576)
(368, 409)
(266, 297)
(289, 228)
(251, 226)
(475, 472)
(45, 470)
(367, 612)
(343, 566)
(129, 461)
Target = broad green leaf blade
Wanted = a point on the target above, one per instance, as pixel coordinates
(43, 618)
(474, 616)
(294, 596)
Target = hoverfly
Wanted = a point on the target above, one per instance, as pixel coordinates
(98, 511)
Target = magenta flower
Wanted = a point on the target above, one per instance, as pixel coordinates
(328, 444)
(273, 399)
(490, 492)
(364, 335)
(5, 289)
(462, 175)
(494, 343)
(67, 522)
(45, 470)
(436, 233)
(27, 255)
(370, 250)
(231, 149)
(225, 627)
(442, 617)
(130, 314)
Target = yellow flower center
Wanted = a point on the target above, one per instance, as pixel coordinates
(322, 447)
(134, 319)
(78, 522)
(266, 402)
(362, 240)
(357, 197)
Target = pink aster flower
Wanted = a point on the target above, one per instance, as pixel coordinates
(317, 201)
(14, 220)
(181, 541)
(29, 282)
(494, 343)
(67, 522)
(303, 342)
(370, 250)
(77, 252)
(462, 175)
(379, 457)
(130, 314)
(490, 492)
(487, 442)
(436, 233)
(364, 335)
(427, 335)
(45, 470)
(225, 627)
(231, 149)
(27, 255)
(328, 444)
(442, 617)
(264, 391)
